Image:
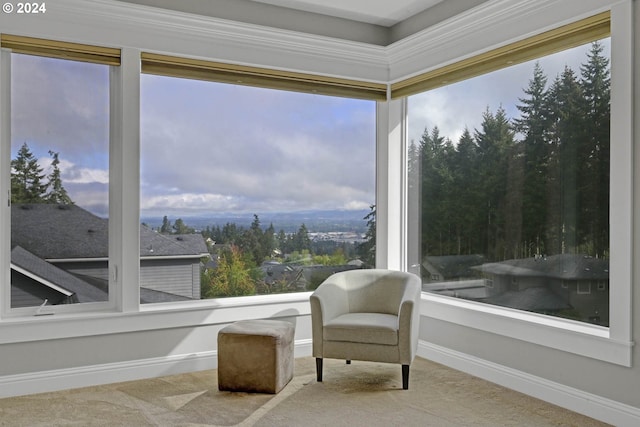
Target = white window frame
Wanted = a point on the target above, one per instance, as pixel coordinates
(613, 344)
(6, 311)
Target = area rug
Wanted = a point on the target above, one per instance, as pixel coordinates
(359, 394)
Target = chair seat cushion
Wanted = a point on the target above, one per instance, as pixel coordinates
(368, 328)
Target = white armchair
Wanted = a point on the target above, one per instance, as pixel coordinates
(368, 315)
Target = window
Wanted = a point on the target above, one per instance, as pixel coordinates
(613, 343)
(512, 170)
(251, 190)
(59, 145)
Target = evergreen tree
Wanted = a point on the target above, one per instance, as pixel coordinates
(57, 193)
(595, 82)
(251, 242)
(435, 152)
(179, 227)
(283, 242)
(301, 241)
(367, 249)
(27, 179)
(533, 126)
(464, 194)
(566, 130)
(495, 143)
(166, 226)
(230, 233)
(269, 241)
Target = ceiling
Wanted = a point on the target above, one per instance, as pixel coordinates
(379, 12)
(378, 22)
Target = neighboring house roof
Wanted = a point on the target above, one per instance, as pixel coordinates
(452, 266)
(49, 275)
(156, 244)
(89, 290)
(561, 266)
(54, 232)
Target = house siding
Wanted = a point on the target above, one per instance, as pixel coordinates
(177, 278)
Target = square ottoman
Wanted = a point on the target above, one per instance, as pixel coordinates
(255, 356)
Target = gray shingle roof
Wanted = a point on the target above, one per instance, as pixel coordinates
(454, 266)
(561, 266)
(84, 291)
(53, 231)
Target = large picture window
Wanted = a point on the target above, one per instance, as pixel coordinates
(251, 190)
(59, 181)
(511, 170)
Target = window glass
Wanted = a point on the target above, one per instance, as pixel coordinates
(511, 170)
(59, 181)
(248, 191)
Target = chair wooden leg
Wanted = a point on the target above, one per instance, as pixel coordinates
(405, 377)
(319, 368)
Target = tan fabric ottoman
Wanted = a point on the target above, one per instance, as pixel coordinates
(255, 356)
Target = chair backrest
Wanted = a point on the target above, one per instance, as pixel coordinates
(374, 291)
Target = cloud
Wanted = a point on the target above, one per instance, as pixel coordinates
(263, 150)
(217, 147)
(61, 106)
(460, 105)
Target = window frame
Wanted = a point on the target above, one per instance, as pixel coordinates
(613, 344)
(66, 51)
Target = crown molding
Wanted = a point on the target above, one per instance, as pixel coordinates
(474, 32)
(119, 24)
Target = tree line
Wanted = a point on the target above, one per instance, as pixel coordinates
(239, 252)
(535, 184)
(29, 183)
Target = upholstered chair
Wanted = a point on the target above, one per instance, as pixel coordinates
(367, 315)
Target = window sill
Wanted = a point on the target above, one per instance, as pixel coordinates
(153, 317)
(570, 336)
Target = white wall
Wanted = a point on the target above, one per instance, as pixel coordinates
(75, 350)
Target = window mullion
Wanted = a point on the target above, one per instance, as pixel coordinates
(5, 180)
(124, 244)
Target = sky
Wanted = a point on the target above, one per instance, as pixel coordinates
(219, 148)
(453, 107)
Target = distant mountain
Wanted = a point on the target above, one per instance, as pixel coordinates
(315, 221)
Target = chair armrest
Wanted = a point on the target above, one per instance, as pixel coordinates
(409, 321)
(330, 299)
(327, 302)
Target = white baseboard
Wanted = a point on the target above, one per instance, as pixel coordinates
(63, 379)
(594, 406)
(600, 408)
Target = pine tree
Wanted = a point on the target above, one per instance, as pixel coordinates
(57, 193)
(367, 249)
(465, 195)
(179, 227)
(301, 240)
(166, 226)
(532, 125)
(27, 184)
(595, 82)
(495, 143)
(566, 135)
